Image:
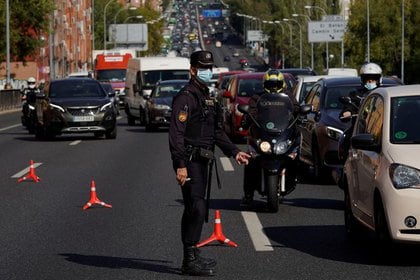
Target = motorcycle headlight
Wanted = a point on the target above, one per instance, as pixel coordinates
(160, 107)
(265, 147)
(334, 133)
(106, 106)
(57, 107)
(281, 147)
(403, 176)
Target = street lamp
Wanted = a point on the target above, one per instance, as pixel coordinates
(115, 21)
(106, 6)
(312, 44)
(316, 7)
(132, 17)
(300, 39)
(7, 44)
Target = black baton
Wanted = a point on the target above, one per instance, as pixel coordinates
(210, 172)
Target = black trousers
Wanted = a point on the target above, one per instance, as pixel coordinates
(193, 193)
(252, 177)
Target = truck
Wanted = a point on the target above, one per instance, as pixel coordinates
(111, 67)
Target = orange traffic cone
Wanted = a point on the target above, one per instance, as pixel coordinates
(31, 174)
(94, 199)
(217, 233)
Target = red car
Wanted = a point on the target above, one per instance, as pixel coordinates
(238, 91)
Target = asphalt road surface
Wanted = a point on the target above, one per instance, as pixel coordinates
(45, 233)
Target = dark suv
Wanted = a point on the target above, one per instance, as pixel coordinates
(76, 105)
(322, 127)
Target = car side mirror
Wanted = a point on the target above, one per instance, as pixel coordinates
(305, 109)
(365, 142)
(243, 108)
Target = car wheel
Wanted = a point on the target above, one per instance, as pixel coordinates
(142, 117)
(352, 226)
(112, 133)
(381, 225)
(150, 127)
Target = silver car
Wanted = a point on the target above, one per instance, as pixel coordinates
(382, 172)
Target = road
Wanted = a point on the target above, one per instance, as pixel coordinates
(45, 234)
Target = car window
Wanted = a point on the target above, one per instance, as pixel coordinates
(306, 86)
(333, 95)
(405, 113)
(371, 117)
(66, 89)
(249, 87)
(167, 90)
(311, 94)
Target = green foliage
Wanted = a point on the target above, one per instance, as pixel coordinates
(28, 19)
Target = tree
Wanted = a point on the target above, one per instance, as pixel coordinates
(28, 20)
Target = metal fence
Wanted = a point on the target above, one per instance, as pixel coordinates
(10, 99)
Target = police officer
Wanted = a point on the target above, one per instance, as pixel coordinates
(194, 131)
(28, 98)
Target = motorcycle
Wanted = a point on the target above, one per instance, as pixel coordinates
(273, 141)
(29, 117)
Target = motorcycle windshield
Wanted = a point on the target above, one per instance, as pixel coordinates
(274, 112)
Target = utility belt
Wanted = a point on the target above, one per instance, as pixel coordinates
(194, 153)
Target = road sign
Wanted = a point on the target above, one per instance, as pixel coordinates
(326, 31)
(254, 35)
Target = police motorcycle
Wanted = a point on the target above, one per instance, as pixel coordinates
(29, 117)
(274, 140)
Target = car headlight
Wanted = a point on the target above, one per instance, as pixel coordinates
(281, 147)
(57, 107)
(334, 133)
(403, 176)
(265, 147)
(106, 106)
(160, 107)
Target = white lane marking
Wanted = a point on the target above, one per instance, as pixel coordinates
(226, 164)
(255, 229)
(26, 170)
(75, 142)
(9, 127)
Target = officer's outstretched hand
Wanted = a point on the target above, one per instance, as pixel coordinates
(181, 175)
(242, 158)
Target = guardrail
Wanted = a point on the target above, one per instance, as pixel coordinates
(10, 99)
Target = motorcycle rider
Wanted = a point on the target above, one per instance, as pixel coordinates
(273, 83)
(28, 98)
(371, 78)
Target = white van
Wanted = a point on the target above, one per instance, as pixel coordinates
(142, 74)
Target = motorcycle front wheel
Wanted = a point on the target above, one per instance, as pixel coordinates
(272, 190)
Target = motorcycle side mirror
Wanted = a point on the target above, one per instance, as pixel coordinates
(345, 100)
(305, 109)
(243, 108)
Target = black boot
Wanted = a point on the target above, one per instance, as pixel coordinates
(191, 265)
(206, 261)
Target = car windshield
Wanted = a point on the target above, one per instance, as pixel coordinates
(115, 75)
(274, 112)
(405, 115)
(164, 91)
(333, 95)
(150, 78)
(249, 87)
(72, 89)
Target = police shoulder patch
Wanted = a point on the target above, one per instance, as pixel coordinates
(182, 116)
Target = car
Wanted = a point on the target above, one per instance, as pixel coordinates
(243, 60)
(159, 104)
(226, 58)
(322, 127)
(382, 173)
(112, 95)
(240, 88)
(303, 85)
(218, 44)
(76, 105)
(235, 53)
(222, 81)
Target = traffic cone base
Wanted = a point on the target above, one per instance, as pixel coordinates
(94, 199)
(217, 234)
(31, 175)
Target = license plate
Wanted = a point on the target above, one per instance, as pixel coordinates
(83, 119)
